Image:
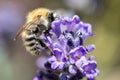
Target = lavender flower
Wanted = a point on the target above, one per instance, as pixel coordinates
(58, 60)
(69, 59)
(36, 78)
(87, 67)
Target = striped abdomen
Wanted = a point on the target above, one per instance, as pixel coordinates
(31, 40)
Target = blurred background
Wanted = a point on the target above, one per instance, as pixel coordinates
(104, 15)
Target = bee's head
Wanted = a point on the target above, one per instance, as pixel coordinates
(52, 16)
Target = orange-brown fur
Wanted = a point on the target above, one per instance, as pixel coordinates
(40, 11)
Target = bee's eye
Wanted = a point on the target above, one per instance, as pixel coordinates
(51, 17)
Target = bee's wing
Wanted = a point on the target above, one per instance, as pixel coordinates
(26, 26)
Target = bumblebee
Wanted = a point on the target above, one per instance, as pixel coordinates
(38, 21)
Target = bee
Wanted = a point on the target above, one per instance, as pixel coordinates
(37, 22)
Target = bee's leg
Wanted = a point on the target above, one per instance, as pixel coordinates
(37, 52)
(47, 32)
(45, 46)
(42, 44)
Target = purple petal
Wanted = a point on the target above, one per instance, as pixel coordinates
(80, 49)
(61, 65)
(72, 60)
(68, 24)
(90, 48)
(64, 59)
(76, 19)
(72, 70)
(54, 65)
(83, 30)
(79, 63)
(63, 41)
(88, 29)
(91, 58)
(52, 59)
(63, 28)
(57, 65)
(57, 53)
(76, 54)
(49, 42)
(77, 27)
(57, 45)
(89, 69)
(91, 65)
(66, 21)
(56, 27)
(36, 78)
(84, 37)
(77, 41)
